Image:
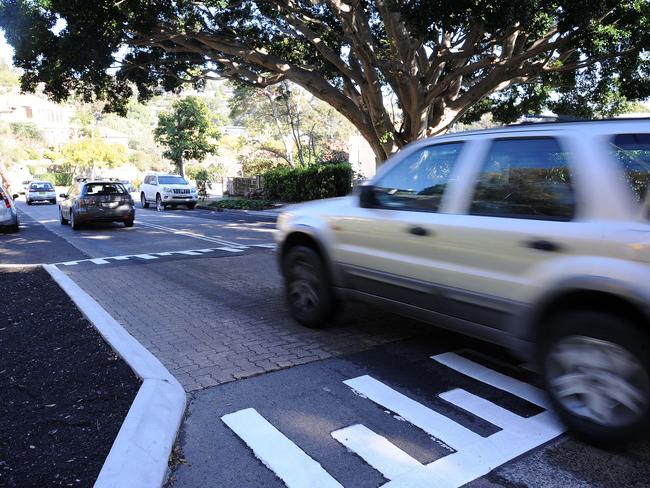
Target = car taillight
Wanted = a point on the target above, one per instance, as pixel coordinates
(83, 202)
(7, 202)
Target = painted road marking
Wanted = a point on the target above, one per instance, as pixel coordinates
(474, 455)
(502, 382)
(156, 255)
(430, 421)
(194, 235)
(144, 256)
(376, 450)
(231, 249)
(290, 463)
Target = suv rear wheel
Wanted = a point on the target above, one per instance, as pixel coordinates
(597, 372)
(309, 292)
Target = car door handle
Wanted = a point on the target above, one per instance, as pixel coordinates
(418, 231)
(543, 245)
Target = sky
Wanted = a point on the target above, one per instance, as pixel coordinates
(6, 51)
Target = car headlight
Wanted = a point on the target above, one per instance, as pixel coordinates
(193, 190)
(167, 189)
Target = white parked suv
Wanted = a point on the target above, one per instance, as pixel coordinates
(167, 191)
(535, 237)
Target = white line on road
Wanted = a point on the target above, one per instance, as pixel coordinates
(144, 256)
(98, 261)
(430, 421)
(194, 235)
(376, 450)
(470, 368)
(290, 463)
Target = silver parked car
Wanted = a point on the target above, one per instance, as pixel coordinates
(8, 214)
(40, 191)
(96, 201)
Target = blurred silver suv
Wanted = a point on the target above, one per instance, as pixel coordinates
(535, 237)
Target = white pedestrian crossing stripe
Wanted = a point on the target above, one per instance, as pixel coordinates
(156, 255)
(474, 455)
(275, 450)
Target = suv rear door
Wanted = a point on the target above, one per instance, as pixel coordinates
(518, 211)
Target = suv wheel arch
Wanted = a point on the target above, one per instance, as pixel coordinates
(585, 299)
(299, 238)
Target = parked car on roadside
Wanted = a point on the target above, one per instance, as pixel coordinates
(535, 237)
(167, 191)
(8, 213)
(128, 185)
(25, 186)
(96, 201)
(40, 191)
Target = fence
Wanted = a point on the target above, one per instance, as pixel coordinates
(238, 186)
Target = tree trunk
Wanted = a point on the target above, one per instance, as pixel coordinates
(181, 166)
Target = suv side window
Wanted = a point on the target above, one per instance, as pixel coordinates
(147, 180)
(418, 181)
(632, 151)
(525, 178)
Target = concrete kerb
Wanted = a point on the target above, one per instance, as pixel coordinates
(140, 452)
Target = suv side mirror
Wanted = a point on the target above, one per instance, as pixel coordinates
(367, 197)
(63, 195)
(15, 196)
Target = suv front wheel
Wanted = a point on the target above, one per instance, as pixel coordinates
(143, 201)
(309, 293)
(597, 372)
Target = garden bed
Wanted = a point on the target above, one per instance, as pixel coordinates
(65, 393)
(239, 204)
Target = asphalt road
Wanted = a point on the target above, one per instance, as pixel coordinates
(375, 400)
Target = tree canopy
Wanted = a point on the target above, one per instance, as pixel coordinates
(398, 70)
(187, 131)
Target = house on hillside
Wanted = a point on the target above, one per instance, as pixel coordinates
(52, 120)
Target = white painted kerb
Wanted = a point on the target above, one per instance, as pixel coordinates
(139, 455)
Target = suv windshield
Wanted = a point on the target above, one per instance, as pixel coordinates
(633, 152)
(171, 180)
(104, 189)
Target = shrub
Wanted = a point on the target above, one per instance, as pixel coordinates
(308, 183)
(241, 203)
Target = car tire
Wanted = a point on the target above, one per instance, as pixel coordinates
(15, 228)
(128, 222)
(160, 206)
(143, 201)
(73, 221)
(28, 202)
(62, 219)
(53, 202)
(191, 206)
(309, 293)
(590, 359)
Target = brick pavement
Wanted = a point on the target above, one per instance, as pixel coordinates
(215, 320)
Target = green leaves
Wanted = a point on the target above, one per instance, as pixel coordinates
(187, 132)
(308, 183)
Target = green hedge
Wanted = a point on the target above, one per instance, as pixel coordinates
(57, 179)
(308, 183)
(241, 203)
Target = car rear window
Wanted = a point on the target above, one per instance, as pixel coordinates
(104, 189)
(632, 151)
(41, 186)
